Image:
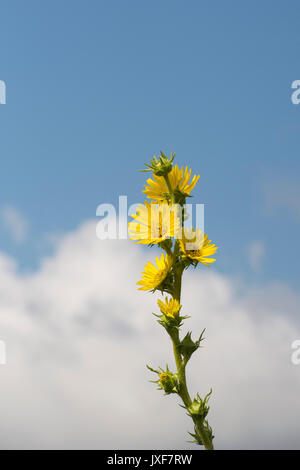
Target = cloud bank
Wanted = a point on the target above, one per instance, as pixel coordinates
(78, 335)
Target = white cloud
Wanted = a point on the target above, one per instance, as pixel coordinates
(15, 223)
(78, 335)
(256, 252)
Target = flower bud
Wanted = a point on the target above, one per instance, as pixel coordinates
(199, 407)
(168, 382)
(162, 165)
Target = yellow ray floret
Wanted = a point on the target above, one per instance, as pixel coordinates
(153, 276)
(154, 223)
(179, 179)
(170, 307)
(195, 245)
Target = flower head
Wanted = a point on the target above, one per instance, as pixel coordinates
(152, 276)
(195, 245)
(179, 178)
(170, 307)
(154, 223)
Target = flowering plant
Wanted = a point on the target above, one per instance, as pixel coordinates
(161, 222)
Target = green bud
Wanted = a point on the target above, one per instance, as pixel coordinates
(162, 165)
(167, 381)
(171, 323)
(199, 407)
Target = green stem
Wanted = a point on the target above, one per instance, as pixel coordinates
(174, 335)
(181, 366)
(207, 442)
(184, 393)
(169, 188)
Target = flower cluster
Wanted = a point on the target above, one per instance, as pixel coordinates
(160, 221)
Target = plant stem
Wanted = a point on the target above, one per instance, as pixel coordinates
(184, 394)
(174, 335)
(180, 364)
(169, 188)
(183, 390)
(207, 442)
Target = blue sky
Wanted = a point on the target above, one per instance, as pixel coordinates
(95, 88)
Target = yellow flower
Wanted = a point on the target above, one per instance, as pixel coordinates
(196, 246)
(153, 276)
(179, 180)
(154, 223)
(170, 308)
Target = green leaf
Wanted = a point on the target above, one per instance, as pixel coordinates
(187, 346)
